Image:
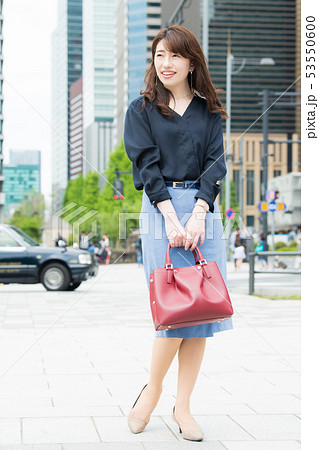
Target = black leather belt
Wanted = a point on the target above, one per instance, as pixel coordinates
(182, 184)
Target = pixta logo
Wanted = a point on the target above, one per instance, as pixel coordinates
(82, 218)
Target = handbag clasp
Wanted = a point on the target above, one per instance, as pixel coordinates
(202, 262)
(166, 266)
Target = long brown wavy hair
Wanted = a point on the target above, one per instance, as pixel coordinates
(183, 42)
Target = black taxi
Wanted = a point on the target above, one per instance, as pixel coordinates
(22, 260)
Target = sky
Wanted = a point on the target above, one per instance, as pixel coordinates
(27, 30)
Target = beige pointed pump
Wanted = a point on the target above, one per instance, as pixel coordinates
(136, 425)
(190, 435)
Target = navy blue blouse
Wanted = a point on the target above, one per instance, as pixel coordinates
(162, 149)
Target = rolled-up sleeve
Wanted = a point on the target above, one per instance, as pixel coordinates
(214, 168)
(144, 154)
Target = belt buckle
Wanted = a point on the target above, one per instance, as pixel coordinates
(176, 183)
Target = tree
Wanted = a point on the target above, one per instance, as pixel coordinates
(110, 208)
(29, 217)
(91, 190)
(85, 192)
(233, 200)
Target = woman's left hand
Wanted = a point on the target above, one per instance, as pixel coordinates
(195, 229)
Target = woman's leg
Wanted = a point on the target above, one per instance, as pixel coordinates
(163, 352)
(190, 356)
(238, 263)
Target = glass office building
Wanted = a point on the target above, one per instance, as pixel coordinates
(66, 68)
(258, 29)
(2, 196)
(20, 182)
(263, 29)
(98, 60)
(144, 22)
(99, 54)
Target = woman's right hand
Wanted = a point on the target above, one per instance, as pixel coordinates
(174, 230)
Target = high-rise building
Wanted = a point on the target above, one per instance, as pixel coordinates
(2, 195)
(263, 29)
(25, 157)
(20, 181)
(76, 129)
(121, 67)
(98, 82)
(138, 22)
(66, 68)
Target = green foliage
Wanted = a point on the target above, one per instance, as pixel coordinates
(279, 245)
(233, 202)
(74, 190)
(30, 225)
(91, 190)
(29, 217)
(132, 202)
(279, 297)
(288, 249)
(85, 192)
(283, 247)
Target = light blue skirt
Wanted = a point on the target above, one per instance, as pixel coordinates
(154, 245)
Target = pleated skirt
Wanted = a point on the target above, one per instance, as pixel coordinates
(154, 246)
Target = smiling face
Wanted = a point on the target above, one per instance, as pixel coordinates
(172, 69)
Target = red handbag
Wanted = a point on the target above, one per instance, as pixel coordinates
(191, 295)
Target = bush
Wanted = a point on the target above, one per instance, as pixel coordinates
(287, 249)
(279, 245)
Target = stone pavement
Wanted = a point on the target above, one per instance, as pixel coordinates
(74, 362)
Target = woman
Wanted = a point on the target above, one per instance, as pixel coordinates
(239, 253)
(173, 135)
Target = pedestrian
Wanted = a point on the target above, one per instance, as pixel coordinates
(232, 242)
(138, 246)
(262, 246)
(84, 241)
(239, 253)
(107, 248)
(91, 247)
(173, 136)
(60, 242)
(104, 249)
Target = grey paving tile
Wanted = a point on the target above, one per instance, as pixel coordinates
(108, 446)
(274, 427)
(10, 432)
(58, 430)
(275, 404)
(115, 429)
(13, 404)
(184, 444)
(215, 428)
(60, 411)
(262, 445)
(32, 447)
(97, 359)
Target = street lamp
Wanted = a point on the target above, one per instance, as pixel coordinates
(231, 61)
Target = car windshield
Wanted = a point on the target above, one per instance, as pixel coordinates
(24, 236)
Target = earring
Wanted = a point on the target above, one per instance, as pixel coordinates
(191, 80)
(155, 80)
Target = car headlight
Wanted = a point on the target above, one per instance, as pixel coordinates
(85, 258)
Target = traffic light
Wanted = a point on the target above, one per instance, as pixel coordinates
(118, 189)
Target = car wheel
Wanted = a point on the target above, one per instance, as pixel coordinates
(73, 285)
(55, 277)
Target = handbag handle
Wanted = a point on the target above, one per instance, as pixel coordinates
(199, 258)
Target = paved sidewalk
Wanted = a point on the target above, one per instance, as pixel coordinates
(73, 389)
